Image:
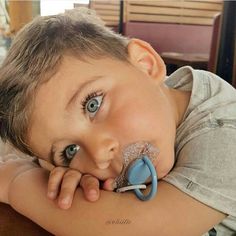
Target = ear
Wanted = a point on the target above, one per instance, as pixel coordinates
(144, 57)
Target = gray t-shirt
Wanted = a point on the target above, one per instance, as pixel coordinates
(205, 144)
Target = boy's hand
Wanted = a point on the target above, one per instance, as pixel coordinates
(63, 183)
(9, 170)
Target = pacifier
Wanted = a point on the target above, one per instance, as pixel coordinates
(137, 170)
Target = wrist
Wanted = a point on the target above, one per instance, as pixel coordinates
(18, 181)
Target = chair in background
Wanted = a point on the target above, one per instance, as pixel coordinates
(179, 30)
(214, 44)
(108, 11)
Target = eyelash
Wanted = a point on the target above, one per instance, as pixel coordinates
(63, 159)
(88, 97)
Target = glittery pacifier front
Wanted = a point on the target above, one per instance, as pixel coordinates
(137, 169)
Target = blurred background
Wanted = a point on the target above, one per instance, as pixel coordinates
(199, 33)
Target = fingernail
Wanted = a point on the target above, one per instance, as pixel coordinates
(51, 195)
(93, 194)
(66, 200)
(110, 184)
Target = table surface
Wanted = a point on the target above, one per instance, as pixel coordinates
(15, 224)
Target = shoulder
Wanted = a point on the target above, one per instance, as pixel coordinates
(187, 78)
(205, 167)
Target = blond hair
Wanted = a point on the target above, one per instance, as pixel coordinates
(36, 54)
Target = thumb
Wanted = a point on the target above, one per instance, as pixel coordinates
(109, 184)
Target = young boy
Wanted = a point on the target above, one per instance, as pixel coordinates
(75, 94)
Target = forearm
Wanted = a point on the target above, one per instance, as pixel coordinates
(170, 213)
(28, 196)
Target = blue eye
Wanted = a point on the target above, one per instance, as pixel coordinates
(70, 151)
(92, 104)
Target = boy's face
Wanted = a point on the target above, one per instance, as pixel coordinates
(88, 112)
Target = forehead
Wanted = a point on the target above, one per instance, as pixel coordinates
(50, 94)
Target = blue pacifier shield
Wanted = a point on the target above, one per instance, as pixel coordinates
(138, 172)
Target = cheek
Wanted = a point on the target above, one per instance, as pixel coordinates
(164, 163)
(134, 122)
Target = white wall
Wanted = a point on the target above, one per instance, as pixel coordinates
(51, 7)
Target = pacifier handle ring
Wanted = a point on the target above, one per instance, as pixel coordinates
(154, 182)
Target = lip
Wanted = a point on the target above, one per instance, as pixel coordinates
(132, 152)
(138, 149)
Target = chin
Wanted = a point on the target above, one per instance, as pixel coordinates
(162, 173)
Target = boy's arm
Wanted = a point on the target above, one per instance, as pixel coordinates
(171, 212)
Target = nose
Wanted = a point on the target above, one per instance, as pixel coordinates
(102, 152)
(96, 153)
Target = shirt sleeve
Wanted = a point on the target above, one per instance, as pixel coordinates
(206, 168)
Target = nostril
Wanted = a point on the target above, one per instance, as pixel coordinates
(113, 150)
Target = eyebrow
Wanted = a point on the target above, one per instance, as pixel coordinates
(71, 101)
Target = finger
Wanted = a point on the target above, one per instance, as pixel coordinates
(69, 185)
(90, 185)
(109, 184)
(46, 165)
(54, 182)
